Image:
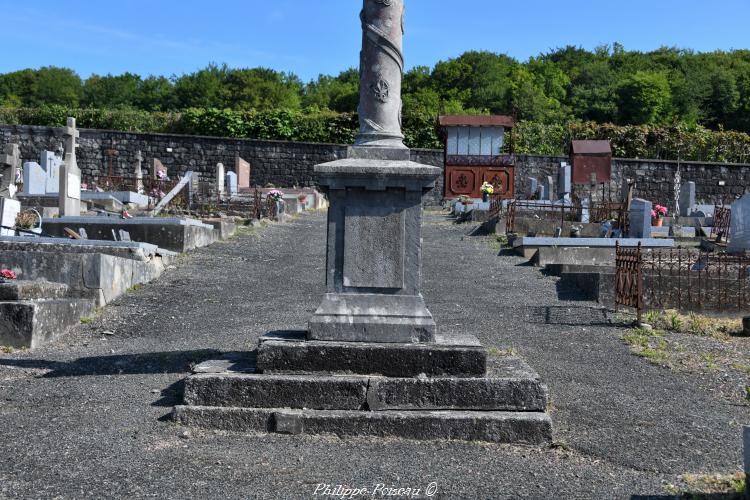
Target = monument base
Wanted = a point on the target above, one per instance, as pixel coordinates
(447, 389)
(353, 317)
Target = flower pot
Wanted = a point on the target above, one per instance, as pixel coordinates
(659, 222)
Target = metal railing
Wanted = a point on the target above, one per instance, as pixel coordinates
(687, 280)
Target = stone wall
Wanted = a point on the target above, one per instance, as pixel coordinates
(287, 164)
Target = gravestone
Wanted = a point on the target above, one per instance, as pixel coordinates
(243, 173)
(739, 232)
(220, 179)
(549, 189)
(687, 199)
(232, 183)
(532, 187)
(9, 163)
(746, 447)
(159, 171)
(9, 210)
(51, 164)
(70, 174)
(124, 235)
(640, 218)
(564, 180)
(34, 179)
(139, 172)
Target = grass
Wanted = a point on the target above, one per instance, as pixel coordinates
(134, 288)
(648, 344)
(705, 326)
(494, 351)
(715, 486)
(87, 320)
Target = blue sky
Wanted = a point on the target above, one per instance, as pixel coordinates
(309, 37)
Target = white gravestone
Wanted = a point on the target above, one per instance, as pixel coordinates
(139, 173)
(739, 232)
(9, 210)
(34, 179)
(51, 164)
(70, 174)
(564, 180)
(220, 179)
(232, 183)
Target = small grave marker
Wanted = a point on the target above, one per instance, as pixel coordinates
(640, 218)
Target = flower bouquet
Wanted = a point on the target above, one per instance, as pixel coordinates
(487, 189)
(275, 195)
(7, 275)
(658, 214)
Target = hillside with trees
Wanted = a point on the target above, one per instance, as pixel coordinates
(606, 91)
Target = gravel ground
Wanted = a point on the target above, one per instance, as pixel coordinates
(86, 417)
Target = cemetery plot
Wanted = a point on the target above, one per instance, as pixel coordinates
(682, 279)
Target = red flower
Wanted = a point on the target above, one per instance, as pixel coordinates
(8, 274)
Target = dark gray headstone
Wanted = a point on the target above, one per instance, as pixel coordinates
(532, 187)
(687, 198)
(564, 180)
(640, 218)
(739, 233)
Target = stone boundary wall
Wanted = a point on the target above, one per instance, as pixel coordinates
(287, 164)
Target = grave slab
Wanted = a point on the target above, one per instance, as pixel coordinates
(31, 290)
(32, 323)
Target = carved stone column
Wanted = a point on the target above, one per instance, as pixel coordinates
(374, 257)
(381, 70)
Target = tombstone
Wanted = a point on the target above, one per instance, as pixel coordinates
(739, 232)
(243, 173)
(542, 193)
(159, 172)
(9, 163)
(232, 183)
(51, 164)
(139, 172)
(9, 210)
(549, 189)
(687, 199)
(640, 218)
(532, 187)
(746, 453)
(34, 179)
(70, 174)
(124, 235)
(564, 180)
(220, 179)
(82, 232)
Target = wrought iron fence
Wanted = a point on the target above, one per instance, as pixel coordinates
(687, 280)
(722, 221)
(558, 212)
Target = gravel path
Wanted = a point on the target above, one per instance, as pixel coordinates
(86, 417)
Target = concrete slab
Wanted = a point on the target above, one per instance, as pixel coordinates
(125, 197)
(32, 323)
(526, 241)
(31, 290)
(177, 235)
(492, 426)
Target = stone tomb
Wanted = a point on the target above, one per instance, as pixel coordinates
(51, 164)
(242, 168)
(372, 361)
(232, 183)
(687, 199)
(739, 231)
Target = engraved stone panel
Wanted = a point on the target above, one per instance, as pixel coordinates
(373, 248)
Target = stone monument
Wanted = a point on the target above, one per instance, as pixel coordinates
(34, 179)
(640, 218)
(687, 199)
(220, 179)
(51, 164)
(70, 174)
(372, 361)
(231, 179)
(739, 226)
(9, 163)
(242, 168)
(139, 172)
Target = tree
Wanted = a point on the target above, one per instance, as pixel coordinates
(111, 91)
(644, 98)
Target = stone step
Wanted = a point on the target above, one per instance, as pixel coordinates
(32, 290)
(290, 352)
(511, 386)
(495, 426)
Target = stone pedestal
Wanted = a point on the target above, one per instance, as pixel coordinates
(374, 252)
